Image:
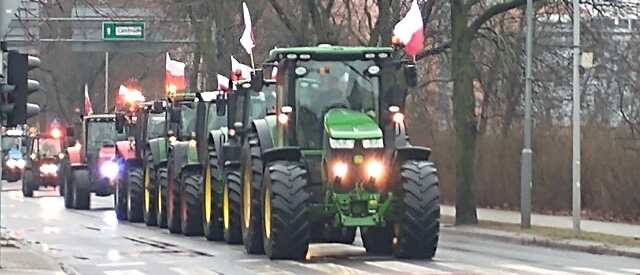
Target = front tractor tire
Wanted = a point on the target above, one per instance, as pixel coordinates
(149, 197)
(231, 207)
(418, 227)
(286, 225)
(28, 180)
(252, 169)
(211, 194)
(135, 193)
(161, 197)
(80, 189)
(120, 199)
(191, 204)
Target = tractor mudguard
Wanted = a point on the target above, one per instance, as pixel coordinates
(126, 150)
(402, 139)
(413, 153)
(289, 153)
(75, 156)
(157, 150)
(263, 129)
(183, 155)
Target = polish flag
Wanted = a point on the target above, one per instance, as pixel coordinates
(223, 83)
(410, 30)
(87, 101)
(247, 40)
(244, 69)
(274, 73)
(174, 74)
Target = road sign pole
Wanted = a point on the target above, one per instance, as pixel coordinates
(106, 82)
(576, 204)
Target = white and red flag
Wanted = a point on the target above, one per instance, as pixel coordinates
(88, 110)
(174, 75)
(274, 73)
(223, 83)
(410, 30)
(247, 40)
(244, 69)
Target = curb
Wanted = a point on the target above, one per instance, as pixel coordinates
(26, 245)
(527, 239)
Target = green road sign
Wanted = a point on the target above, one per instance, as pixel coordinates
(123, 30)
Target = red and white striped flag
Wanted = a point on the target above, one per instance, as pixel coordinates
(247, 40)
(410, 30)
(244, 69)
(174, 75)
(88, 110)
(223, 83)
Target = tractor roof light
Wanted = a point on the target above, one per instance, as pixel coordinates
(398, 117)
(56, 133)
(237, 125)
(286, 109)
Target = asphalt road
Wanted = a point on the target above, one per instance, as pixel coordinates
(93, 242)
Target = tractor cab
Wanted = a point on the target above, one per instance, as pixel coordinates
(14, 147)
(181, 115)
(44, 166)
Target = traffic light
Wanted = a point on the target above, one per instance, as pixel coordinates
(15, 105)
(5, 88)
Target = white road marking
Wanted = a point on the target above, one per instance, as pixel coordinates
(331, 268)
(193, 270)
(124, 272)
(471, 268)
(634, 271)
(536, 270)
(405, 267)
(265, 269)
(593, 271)
(122, 264)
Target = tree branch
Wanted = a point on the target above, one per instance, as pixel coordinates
(495, 10)
(433, 51)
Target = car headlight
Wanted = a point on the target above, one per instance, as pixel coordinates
(374, 169)
(373, 143)
(49, 168)
(110, 169)
(340, 169)
(20, 163)
(342, 143)
(11, 163)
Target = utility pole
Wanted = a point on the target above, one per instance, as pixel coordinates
(527, 152)
(576, 204)
(106, 82)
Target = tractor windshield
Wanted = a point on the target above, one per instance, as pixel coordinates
(333, 84)
(155, 125)
(49, 146)
(215, 122)
(188, 123)
(9, 142)
(99, 134)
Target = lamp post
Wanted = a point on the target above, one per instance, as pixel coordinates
(527, 152)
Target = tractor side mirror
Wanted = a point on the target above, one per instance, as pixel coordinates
(221, 105)
(257, 80)
(176, 115)
(69, 132)
(120, 121)
(411, 75)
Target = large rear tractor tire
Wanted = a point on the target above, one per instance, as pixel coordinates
(418, 227)
(286, 225)
(28, 180)
(68, 185)
(161, 197)
(174, 207)
(81, 189)
(378, 240)
(135, 195)
(190, 182)
(211, 195)
(120, 199)
(149, 197)
(231, 207)
(252, 168)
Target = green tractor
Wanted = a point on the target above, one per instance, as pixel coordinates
(159, 176)
(221, 159)
(336, 157)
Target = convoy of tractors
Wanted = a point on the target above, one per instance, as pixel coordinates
(272, 164)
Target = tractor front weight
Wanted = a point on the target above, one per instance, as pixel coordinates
(360, 208)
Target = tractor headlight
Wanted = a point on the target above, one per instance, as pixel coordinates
(340, 169)
(373, 143)
(192, 143)
(172, 140)
(342, 143)
(110, 169)
(374, 169)
(49, 168)
(20, 163)
(11, 163)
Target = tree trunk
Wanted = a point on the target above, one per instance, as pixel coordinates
(463, 111)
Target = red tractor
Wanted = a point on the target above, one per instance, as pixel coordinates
(93, 166)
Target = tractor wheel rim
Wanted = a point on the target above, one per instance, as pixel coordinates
(207, 195)
(267, 214)
(147, 195)
(159, 199)
(246, 196)
(225, 206)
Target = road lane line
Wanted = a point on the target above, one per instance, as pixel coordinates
(193, 270)
(331, 268)
(531, 269)
(593, 271)
(405, 267)
(124, 272)
(266, 269)
(470, 268)
(122, 264)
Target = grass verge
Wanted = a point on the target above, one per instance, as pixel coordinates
(551, 232)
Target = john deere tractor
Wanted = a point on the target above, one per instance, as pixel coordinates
(167, 158)
(221, 157)
(336, 157)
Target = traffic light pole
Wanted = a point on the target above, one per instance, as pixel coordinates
(106, 82)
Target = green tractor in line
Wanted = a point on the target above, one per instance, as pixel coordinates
(220, 155)
(336, 157)
(159, 197)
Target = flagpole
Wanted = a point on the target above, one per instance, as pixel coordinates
(253, 65)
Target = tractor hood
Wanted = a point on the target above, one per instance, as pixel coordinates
(348, 124)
